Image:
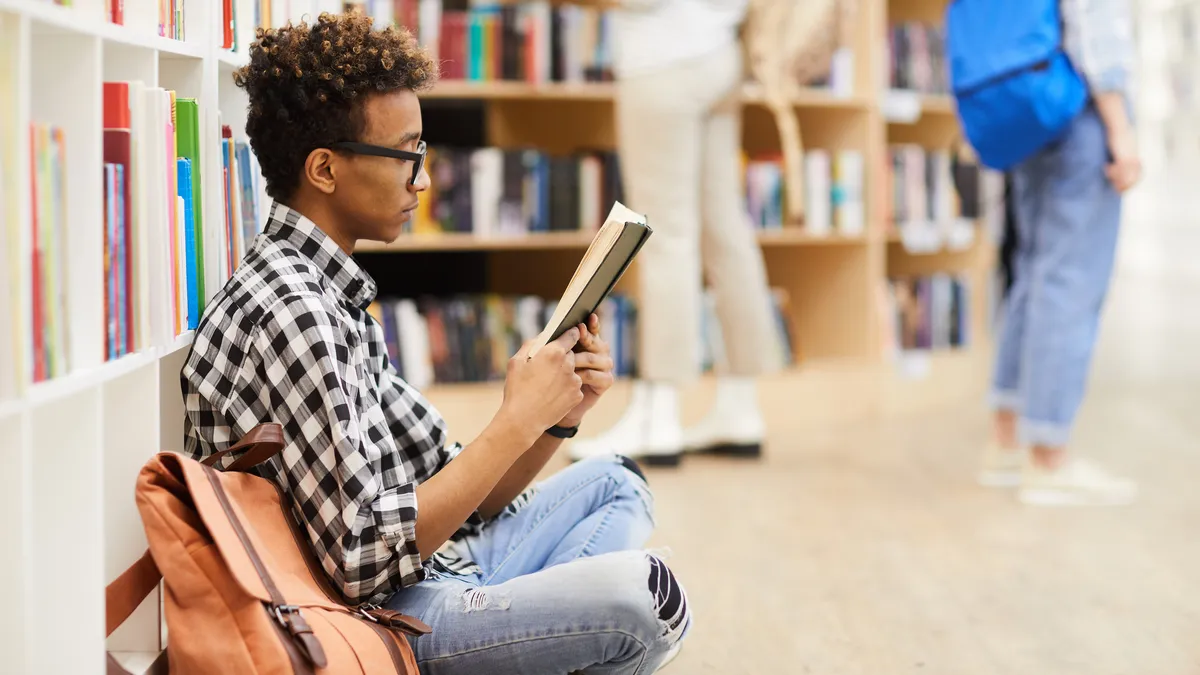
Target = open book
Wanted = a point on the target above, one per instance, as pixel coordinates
(606, 259)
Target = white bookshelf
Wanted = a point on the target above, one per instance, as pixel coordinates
(71, 447)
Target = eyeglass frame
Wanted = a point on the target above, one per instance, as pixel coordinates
(417, 157)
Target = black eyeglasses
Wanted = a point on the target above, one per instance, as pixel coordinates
(418, 157)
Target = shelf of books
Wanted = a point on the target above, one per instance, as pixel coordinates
(129, 193)
(126, 200)
(943, 213)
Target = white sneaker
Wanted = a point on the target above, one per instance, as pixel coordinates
(649, 431)
(1077, 482)
(671, 654)
(1001, 466)
(733, 425)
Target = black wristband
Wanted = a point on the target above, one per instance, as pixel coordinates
(562, 432)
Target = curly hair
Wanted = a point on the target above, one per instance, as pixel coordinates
(307, 85)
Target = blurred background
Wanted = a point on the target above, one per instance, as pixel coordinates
(859, 542)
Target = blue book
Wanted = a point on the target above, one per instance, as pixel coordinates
(184, 166)
(121, 260)
(110, 270)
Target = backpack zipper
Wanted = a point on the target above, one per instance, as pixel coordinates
(1040, 64)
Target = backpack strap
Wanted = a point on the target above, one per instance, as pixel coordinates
(122, 597)
(260, 444)
(127, 592)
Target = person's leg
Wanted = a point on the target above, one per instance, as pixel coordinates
(733, 265)
(659, 118)
(1003, 456)
(593, 507)
(614, 614)
(1075, 240)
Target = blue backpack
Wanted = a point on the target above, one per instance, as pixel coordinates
(1015, 88)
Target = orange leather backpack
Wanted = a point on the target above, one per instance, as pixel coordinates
(243, 593)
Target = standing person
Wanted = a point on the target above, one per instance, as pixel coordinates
(1067, 196)
(679, 69)
(514, 577)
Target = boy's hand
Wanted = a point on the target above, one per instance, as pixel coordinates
(594, 365)
(540, 390)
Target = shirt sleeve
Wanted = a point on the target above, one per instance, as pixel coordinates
(1098, 37)
(362, 530)
(413, 423)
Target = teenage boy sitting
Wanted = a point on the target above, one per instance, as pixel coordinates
(549, 579)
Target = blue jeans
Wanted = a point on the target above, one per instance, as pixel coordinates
(562, 585)
(1067, 219)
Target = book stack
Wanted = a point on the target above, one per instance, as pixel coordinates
(48, 240)
(471, 338)
(917, 54)
(489, 191)
(245, 199)
(153, 237)
(485, 41)
(929, 190)
(833, 192)
(930, 313)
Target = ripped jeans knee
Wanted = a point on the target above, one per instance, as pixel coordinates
(669, 601)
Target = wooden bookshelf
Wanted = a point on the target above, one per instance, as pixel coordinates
(548, 241)
(72, 446)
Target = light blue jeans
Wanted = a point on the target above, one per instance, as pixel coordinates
(1067, 218)
(562, 587)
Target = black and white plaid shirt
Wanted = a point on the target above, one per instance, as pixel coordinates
(289, 340)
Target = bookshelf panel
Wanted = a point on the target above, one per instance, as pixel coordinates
(182, 75)
(66, 93)
(15, 272)
(232, 103)
(130, 438)
(15, 514)
(826, 128)
(67, 535)
(142, 15)
(542, 273)
(831, 298)
(557, 127)
(929, 131)
(170, 400)
(924, 11)
(902, 263)
(129, 63)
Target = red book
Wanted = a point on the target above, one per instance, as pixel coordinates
(227, 24)
(116, 105)
(118, 149)
(532, 67)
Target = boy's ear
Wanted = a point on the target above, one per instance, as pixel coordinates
(320, 169)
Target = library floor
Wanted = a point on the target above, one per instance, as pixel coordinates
(868, 549)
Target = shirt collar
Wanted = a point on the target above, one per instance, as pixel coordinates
(339, 270)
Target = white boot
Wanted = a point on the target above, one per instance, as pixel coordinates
(734, 425)
(649, 430)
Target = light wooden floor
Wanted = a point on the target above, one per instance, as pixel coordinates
(868, 549)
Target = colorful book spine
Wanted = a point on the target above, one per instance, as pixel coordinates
(187, 134)
(190, 247)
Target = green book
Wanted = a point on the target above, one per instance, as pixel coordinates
(187, 144)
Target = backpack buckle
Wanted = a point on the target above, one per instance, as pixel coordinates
(280, 610)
